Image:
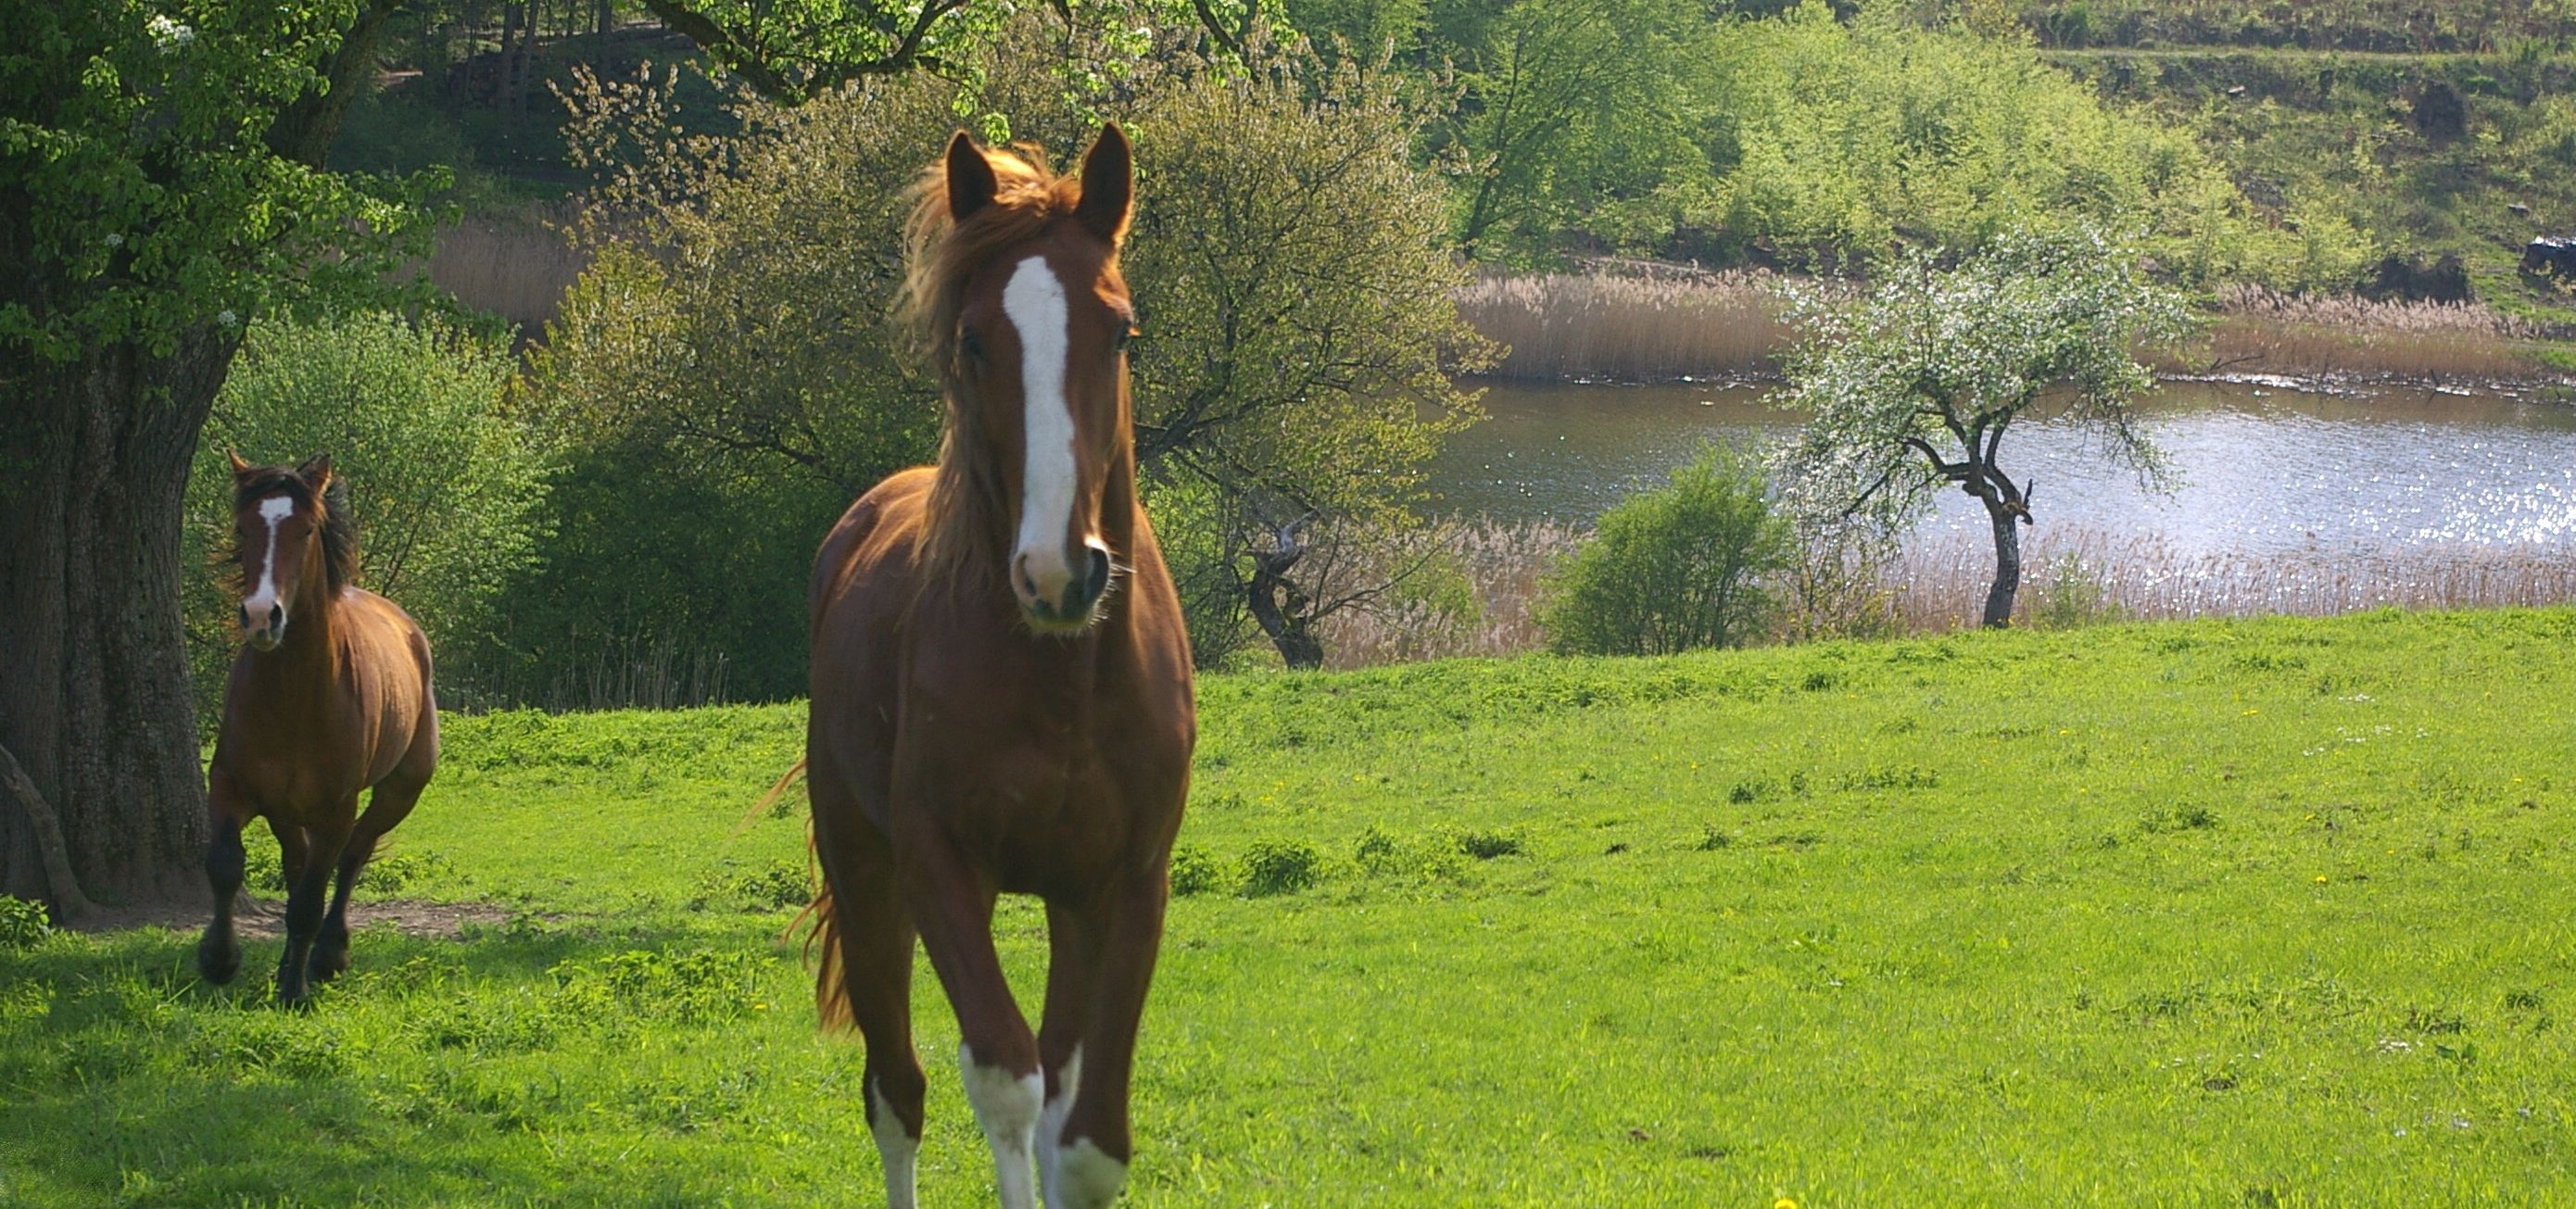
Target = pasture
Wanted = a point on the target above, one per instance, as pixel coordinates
(2230, 912)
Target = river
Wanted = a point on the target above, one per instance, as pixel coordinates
(2262, 468)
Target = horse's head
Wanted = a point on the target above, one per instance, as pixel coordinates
(1036, 359)
(281, 518)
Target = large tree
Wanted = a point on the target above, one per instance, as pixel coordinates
(1912, 387)
(160, 182)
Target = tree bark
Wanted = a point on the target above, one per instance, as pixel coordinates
(1999, 598)
(1287, 627)
(94, 690)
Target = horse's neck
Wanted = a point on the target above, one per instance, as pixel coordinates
(310, 653)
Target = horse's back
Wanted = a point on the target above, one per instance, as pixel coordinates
(393, 654)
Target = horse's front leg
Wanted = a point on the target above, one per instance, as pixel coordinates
(1122, 931)
(218, 951)
(304, 900)
(952, 902)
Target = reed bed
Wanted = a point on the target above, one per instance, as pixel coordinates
(2071, 577)
(2260, 331)
(1632, 323)
(2079, 575)
(615, 674)
(1498, 564)
(516, 264)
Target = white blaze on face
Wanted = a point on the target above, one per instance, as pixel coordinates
(273, 509)
(1034, 301)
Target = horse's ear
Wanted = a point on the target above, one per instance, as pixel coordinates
(240, 467)
(1108, 185)
(971, 184)
(316, 472)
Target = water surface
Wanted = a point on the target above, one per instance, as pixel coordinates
(2261, 468)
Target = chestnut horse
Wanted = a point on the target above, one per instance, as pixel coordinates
(330, 697)
(988, 716)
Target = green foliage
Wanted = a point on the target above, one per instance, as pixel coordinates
(1197, 871)
(448, 486)
(2071, 595)
(1839, 138)
(767, 886)
(144, 196)
(1292, 270)
(1911, 388)
(1674, 568)
(1575, 114)
(1280, 867)
(22, 923)
(1288, 260)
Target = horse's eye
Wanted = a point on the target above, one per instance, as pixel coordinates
(972, 345)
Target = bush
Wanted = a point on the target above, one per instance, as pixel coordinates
(1674, 568)
(22, 923)
(446, 484)
(1196, 871)
(1280, 868)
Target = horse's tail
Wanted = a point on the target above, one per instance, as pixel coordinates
(831, 994)
(777, 790)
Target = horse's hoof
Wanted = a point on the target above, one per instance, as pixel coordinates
(330, 964)
(217, 963)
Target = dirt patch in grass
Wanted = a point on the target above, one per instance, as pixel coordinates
(267, 920)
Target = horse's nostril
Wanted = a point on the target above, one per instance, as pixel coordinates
(276, 615)
(1097, 581)
(244, 610)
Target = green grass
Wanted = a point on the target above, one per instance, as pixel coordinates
(2258, 912)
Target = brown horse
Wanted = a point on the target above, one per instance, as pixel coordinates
(330, 697)
(987, 715)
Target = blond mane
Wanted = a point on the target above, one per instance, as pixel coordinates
(968, 506)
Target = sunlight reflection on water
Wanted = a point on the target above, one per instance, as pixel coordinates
(2262, 469)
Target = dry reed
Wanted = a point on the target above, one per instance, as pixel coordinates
(2260, 331)
(1630, 323)
(2071, 576)
(515, 264)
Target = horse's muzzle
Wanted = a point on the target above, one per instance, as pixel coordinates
(1069, 606)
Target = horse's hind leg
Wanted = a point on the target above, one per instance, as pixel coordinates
(873, 939)
(304, 903)
(387, 806)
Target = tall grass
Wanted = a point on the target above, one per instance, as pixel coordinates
(2072, 576)
(1630, 322)
(1646, 323)
(2260, 331)
(1500, 564)
(515, 264)
(2079, 574)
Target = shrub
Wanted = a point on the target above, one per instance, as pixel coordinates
(1196, 871)
(446, 484)
(1674, 568)
(1280, 868)
(22, 923)
(1487, 845)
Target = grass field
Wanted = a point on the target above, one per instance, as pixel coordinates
(2266, 912)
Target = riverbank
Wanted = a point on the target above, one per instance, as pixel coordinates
(1628, 321)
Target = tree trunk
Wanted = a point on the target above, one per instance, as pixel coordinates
(1999, 598)
(1288, 627)
(94, 693)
